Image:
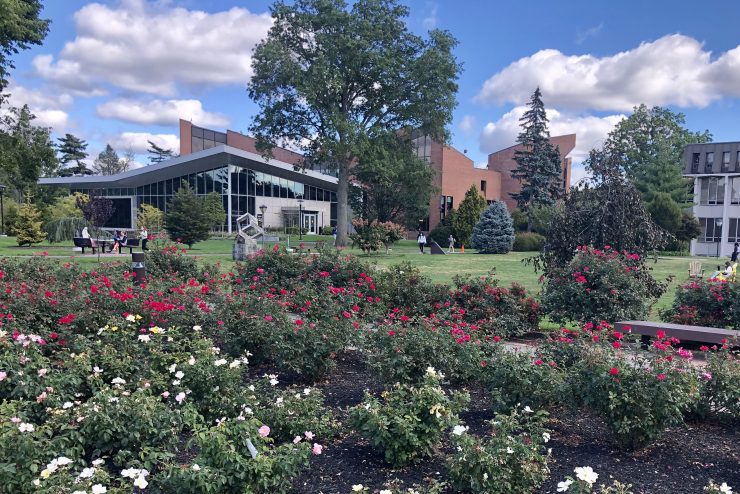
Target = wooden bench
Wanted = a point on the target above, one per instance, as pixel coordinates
(130, 244)
(84, 243)
(649, 329)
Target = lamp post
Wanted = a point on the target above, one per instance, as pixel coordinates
(2, 211)
(263, 208)
(718, 224)
(300, 216)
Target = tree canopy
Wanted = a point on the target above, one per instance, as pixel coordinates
(539, 168)
(329, 76)
(395, 184)
(20, 27)
(26, 150)
(109, 163)
(158, 154)
(468, 214)
(648, 146)
(73, 150)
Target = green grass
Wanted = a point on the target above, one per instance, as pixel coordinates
(441, 269)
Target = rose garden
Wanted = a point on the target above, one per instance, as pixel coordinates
(321, 373)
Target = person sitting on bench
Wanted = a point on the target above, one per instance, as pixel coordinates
(116, 242)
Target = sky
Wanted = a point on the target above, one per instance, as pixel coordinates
(124, 71)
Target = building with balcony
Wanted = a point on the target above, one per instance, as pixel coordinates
(715, 169)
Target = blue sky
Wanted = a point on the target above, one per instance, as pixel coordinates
(124, 71)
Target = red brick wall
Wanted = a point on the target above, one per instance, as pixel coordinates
(186, 137)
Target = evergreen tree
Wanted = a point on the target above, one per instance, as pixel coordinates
(109, 163)
(539, 168)
(494, 233)
(214, 206)
(467, 214)
(158, 154)
(665, 212)
(73, 149)
(28, 224)
(186, 219)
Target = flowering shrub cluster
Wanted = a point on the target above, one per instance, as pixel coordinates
(600, 284)
(713, 303)
(512, 459)
(410, 420)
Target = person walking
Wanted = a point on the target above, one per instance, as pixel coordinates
(451, 242)
(144, 236)
(334, 234)
(422, 240)
(733, 258)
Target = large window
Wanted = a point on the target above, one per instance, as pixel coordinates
(205, 139)
(733, 235)
(711, 229)
(735, 190)
(695, 162)
(712, 190)
(121, 218)
(709, 164)
(423, 147)
(725, 161)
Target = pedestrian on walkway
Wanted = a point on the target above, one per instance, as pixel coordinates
(422, 240)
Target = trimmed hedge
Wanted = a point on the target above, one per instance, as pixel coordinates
(528, 242)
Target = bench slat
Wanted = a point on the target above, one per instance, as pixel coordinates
(681, 331)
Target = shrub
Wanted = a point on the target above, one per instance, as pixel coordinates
(714, 303)
(441, 233)
(234, 457)
(169, 261)
(410, 420)
(371, 236)
(528, 242)
(494, 232)
(494, 310)
(598, 285)
(637, 396)
(584, 483)
(719, 394)
(403, 286)
(512, 459)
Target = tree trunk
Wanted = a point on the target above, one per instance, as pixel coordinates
(342, 204)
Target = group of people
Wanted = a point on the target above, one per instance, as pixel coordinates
(120, 239)
(421, 239)
(730, 269)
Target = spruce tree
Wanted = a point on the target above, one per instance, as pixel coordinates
(28, 225)
(109, 163)
(73, 150)
(467, 215)
(539, 168)
(494, 233)
(186, 219)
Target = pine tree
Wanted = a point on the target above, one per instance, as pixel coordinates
(468, 214)
(187, 219)
(494, 233)
(73, 149)
(28, 225)
(158, 154)
(215, 211)
(109, 163)
(539, 168)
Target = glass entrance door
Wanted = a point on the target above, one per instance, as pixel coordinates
(310, 223)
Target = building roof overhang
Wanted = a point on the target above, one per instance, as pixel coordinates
(207, 159)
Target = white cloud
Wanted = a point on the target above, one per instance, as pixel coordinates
(467, 124)
(49, 108)
(673, 70)
(591, 131)
(137, 141)
(160, 112)
(430, 21)
(153, 48)
(582, 36)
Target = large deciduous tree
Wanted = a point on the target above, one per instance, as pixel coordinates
(73, 150)
(328, 77)
(538, 163)
(20, 27)
(648, 146)
(395, 184)
(26, 150)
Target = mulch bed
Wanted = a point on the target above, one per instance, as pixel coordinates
(681, 461)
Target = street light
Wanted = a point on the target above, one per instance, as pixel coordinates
(718, 224)
(300, 216)
(263, 208)
(2, 211)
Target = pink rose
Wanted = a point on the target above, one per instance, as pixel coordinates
(317, 448)
(264, 431)
(309, 435)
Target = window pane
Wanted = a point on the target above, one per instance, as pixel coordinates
(721, 190)
(197, 132)
(197, 144)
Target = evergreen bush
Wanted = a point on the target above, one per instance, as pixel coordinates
(28, 225)
(528, 242)
(494, 232)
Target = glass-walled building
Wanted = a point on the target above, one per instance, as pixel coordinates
(246, 182)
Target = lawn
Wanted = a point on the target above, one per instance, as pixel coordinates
(508, 267)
